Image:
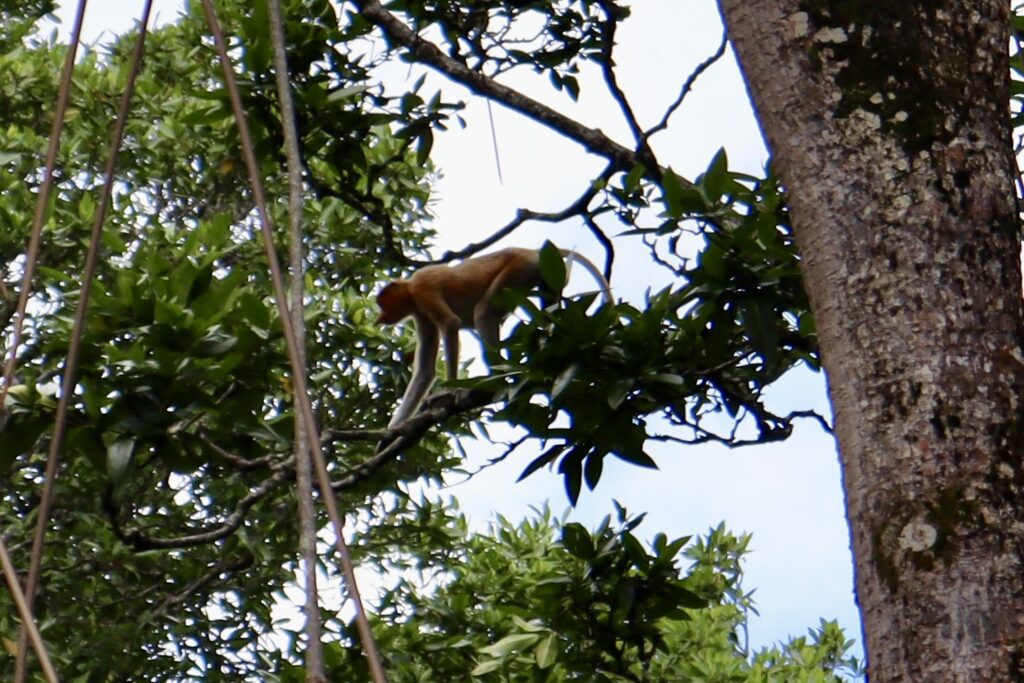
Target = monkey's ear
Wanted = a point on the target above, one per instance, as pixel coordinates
(552, 268)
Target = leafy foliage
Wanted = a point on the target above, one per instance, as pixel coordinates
(173, 503)
(709, 346)
(520, 603)
(174, 531)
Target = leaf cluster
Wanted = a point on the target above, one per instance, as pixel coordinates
(700, 354)
(495, 36)
(544, 600)
(173, 504)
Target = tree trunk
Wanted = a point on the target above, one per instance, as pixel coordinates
(889, 125)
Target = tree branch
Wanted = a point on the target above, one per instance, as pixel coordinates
(612, 15)
(577, 208)
(139, 541)
(425, 52)
(314, 654)
(238, 462)
(398, 439)
(687, 86)
(225, 566)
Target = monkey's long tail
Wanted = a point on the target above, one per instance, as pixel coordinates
(579, 258)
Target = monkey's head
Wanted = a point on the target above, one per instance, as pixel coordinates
(395, 302)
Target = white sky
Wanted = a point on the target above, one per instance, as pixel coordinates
(788, 495)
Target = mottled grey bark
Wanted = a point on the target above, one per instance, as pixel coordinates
(888, 122)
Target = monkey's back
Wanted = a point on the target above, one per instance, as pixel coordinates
(464, 284)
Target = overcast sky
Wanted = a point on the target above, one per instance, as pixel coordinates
(788, 494)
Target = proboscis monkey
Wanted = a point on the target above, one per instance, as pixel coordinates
(444, 299)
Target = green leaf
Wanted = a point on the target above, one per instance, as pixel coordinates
(757, 315)
(207, 115)
(112, 241)
(712, 263)
(534, 626)
(86, 206)
(19, 435)
(119, 457)
(563, 380)
(546, 652)
(87, 441)
(573, 86)
(216, 231)
(540, 461)
(571, 468)
(593, 466)
(632, 180)
(486, 667)
(807, 326)
(638, 458)
(423, 146)
(201, 282)
(346, 93)
(552, 268)
(509, 644)
(672, 549)
(213, 345)
(533, 417)
(577, 540)
(713, 180)
(683, 597)
(254, 310)
(679, 198)
(618, 392)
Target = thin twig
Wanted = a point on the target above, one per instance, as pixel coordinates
(399, 438)
(611, 23)
(578, 207)
(238, 462)
(494, 141)
(298, 372)
(224, 566)
(688, 85)
(32, 255)
(139, 541)
(427, 53)
(75, 344)
(314, 655)
(25, 612)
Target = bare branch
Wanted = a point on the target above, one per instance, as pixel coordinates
(772, 428)
(687, 86)
(427, 53)
(812, 415)
(606, 242)
(613, 13)
(577, 208)
(302, 400)
(69, 379)
(140, 541)
(314, 655)
(225, 566)
(398, 439)
(238, 462)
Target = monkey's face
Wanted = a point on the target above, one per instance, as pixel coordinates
(395, 303)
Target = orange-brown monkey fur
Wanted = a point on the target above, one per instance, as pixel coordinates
(444, 299)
